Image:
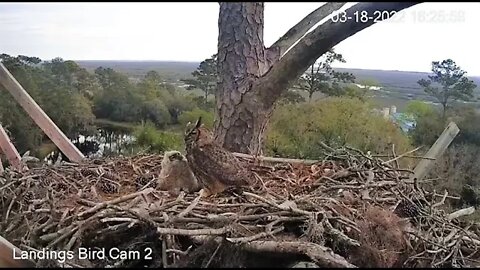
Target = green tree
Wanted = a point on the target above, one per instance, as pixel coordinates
(321, 77)
(448, 83)
(418, 108)
(298, 130)
(118, 100)
(205, 77)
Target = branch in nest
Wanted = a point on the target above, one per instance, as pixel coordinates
(254, 237)
(461, 212)
(114, 201)
(172, 231)
(192, 205)
(281, 207)
(340, 236)
(319, 254)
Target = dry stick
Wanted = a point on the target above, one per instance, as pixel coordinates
(65, 235)
(322, 255)
(287, 208)
(442, 201)
(192, 205)
(164, 252)
(255, 236)
(397, 165)
(402, 155)
(461, 212)
(365, 193)
(114, 201)
(186, 232)
(213, 255)
(279, 160)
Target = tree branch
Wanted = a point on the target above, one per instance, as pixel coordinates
(315, 44)
(296, 32)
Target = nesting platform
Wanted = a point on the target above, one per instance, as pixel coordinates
(348, 210)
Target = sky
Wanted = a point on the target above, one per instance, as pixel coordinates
(189, 32)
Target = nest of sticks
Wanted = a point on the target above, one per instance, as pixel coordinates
(348, 210)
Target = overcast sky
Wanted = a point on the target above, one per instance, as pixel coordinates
(188, 32)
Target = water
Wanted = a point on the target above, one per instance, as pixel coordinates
(106, 142)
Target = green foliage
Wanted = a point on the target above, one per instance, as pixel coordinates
(431, 124)
(54, 85)
(458, 170)
(192, 116)
(297, 130)
(205, 77)
(418, 109)
(291, 97)
(448, 83)
(149, 137)
(320, 77)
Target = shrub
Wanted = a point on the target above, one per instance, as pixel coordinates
(156, 111)
(147, 136)
(192, 116)
(297, 130)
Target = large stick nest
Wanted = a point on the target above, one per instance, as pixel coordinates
(345, 211)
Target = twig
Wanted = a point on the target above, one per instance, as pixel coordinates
(114, 201)
(172, 231)
(192, 205)
(461, 212)
(213, 255)
(319, 254)
(402, 155)
(255, 236)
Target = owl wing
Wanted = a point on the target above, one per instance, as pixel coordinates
(221, 165)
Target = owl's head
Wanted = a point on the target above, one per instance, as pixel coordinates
(196, 133)
(173, 155)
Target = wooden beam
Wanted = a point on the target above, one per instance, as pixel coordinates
(1, 165)
(39, 116)
(7, 259)
(9, 149)
(435, 152)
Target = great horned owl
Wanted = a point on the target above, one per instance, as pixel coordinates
(176, 175)
(215, 167)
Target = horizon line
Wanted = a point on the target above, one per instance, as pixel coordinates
(191, 61)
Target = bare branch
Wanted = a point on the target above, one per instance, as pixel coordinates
(322, 255)
(314, 45)
(301, 28)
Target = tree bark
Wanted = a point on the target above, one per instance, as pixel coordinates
(252, 78)
(242, 59)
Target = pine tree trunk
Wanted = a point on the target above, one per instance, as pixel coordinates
(241, 116)
(251, 77)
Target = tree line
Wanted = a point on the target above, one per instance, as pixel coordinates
(74, 98)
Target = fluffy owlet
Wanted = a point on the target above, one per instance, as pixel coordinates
(176, 174)
(215, 167)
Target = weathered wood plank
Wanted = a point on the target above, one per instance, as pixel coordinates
(9, 149)
(1, 165)
(39, 116)
(6, 256)
(435, 152)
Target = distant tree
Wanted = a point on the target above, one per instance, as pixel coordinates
(321, 77)
(205, 77)
(448, 83)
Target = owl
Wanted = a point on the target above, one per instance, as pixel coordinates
(176, 175)
(215, 167)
